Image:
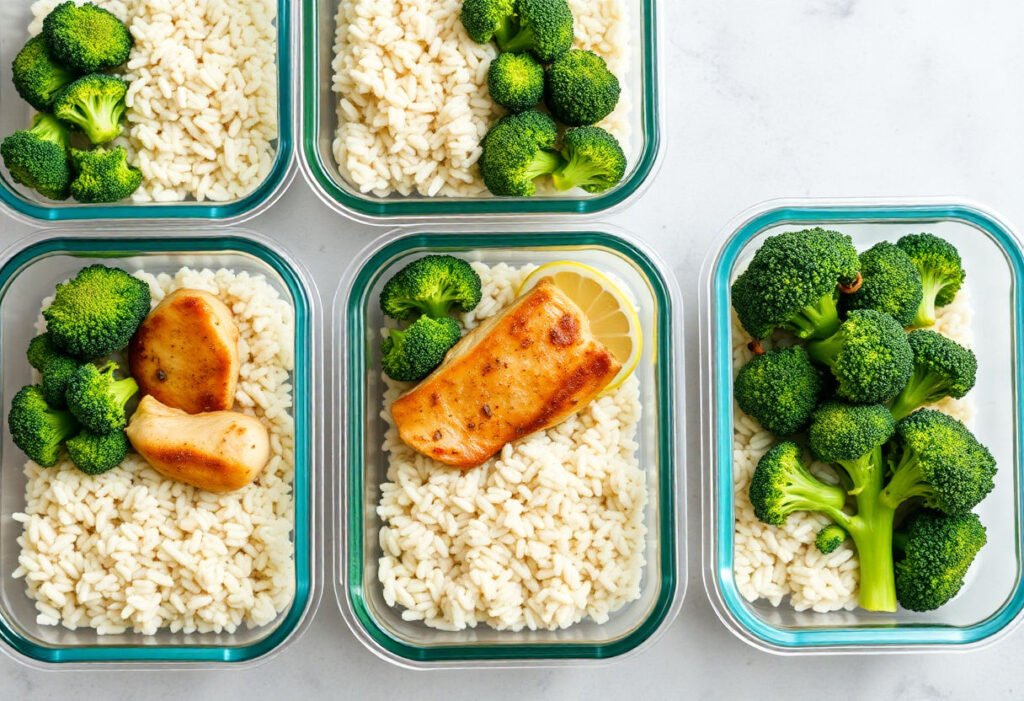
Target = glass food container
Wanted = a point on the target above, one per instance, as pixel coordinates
(362, 464)
(319, 122)
(28, 205)
(29, 270)
(991, 601)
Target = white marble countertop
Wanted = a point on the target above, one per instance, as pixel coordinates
(790, 98)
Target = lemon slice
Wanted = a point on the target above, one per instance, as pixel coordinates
(613, 318)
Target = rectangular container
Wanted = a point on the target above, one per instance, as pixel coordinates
(319, 122)
(29, 270)
(991, 602)
(359, 390)
(30, 206)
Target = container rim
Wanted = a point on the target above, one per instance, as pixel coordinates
(308, 506)
(716, 434)
(348, 524)
(189, 213)
(389, 212)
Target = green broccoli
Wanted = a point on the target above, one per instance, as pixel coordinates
(97, 399)
(37, 77)
(594, 161)
(38, 157)
(942, 368)
(936, 459)
(869, 356)
(941, 270)
(434, 285)
(830, 538)
(412, 354)
(516, 81)
(96, 453)
(579, 89)
(41, 350)
(38, 429)
(97, 312)
(86, 38)
(485, 20)
(782, 485)
(518, 150)
(103, 175)
(935, 551)
(792, 283)
(55, 367)
(542, 27)
(891, 284)
(94, 104)
(780, 389)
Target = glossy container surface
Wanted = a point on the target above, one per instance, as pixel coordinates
(29, 205)
(319, 122)
(993, 597)
(29, 270)
(363, 464)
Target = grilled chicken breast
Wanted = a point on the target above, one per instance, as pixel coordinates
(523, 371)
(185, 353)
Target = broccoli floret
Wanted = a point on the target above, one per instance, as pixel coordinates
(38, 429)
(37, 77)
(489, 19)
(792, 283)
(86, 38)
(869, 356)
(937, 459)
(852, 436)
(594, 161)
(412, 354)
(891, 284)
(55, 367)
(516, 81)
(579, 89)
(936, 551)
(542, 27)
(942, 368)
(38, 157)
(96, 453)
(517, 151)
(94, 104)
(782, 485)
(830, 538)
(97, 312)
(941, 270)
(434, 285)
(780, 389)
(41, 350)
(103, 175)
(97, 399)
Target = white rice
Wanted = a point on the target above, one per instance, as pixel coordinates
(131, 550)
(412, 92)
(782, 563)
(202, 95)
(548, 532)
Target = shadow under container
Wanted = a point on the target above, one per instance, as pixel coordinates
(319, 123)
(992, 599)
(364, 464)
(32, 207)
(29, 271)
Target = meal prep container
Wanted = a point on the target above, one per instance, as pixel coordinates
(362, 464)
(29, 270)
(319, 122)
(990, 603)
(29, 205)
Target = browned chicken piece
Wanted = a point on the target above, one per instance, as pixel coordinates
(523, 371)
(220, 451)
(185, 353)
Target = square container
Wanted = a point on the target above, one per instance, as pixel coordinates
(30, 206)
(363, 465)
(991, 601)
(319, 122)
(29, 270)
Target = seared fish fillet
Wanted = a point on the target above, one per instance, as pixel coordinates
(523, 371)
